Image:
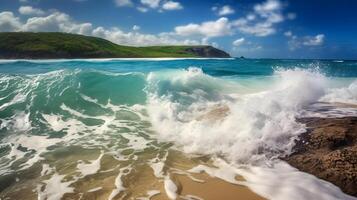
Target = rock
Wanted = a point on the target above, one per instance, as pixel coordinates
(328, 150)
(207, 52)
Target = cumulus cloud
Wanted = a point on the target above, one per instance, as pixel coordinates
(216, 28)
(142, 9)
(260, 22)
(238, 42)
(28, 10)
(315, 40)
(288, 33)
(138, 39)
(122, 3)
(151, 3)
(159, 5)
(172, 5)
(224, 10)
(296, 42)
(136, 28)
(8, 22)
(268, 7)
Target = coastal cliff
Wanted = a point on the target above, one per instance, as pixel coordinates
(328, 150)
(27, 45)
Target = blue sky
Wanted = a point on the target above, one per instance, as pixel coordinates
(255, 28)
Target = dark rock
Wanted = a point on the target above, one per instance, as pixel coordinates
(328, 150)
(207, 52)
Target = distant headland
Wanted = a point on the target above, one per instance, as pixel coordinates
(53, 45)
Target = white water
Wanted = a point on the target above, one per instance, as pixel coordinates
(199, 114)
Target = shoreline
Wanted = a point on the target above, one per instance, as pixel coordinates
(109, 59)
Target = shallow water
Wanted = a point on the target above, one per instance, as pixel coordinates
(127, 129)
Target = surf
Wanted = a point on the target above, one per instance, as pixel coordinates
(92, 122)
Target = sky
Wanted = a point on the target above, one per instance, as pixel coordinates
(250, 28)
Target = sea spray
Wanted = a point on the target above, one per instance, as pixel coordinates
(255, 126)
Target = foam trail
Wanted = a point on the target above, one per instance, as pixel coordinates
(285, 182)
(170, 188)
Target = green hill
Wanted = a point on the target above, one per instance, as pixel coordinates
(26, 45)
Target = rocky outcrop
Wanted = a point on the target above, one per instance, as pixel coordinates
(207, 52)
(328, 150)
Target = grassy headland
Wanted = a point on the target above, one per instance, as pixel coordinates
(28, 45)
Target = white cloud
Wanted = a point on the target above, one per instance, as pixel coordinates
(267, 7)
(269, 13)
(151, 3)
(260, 22)
(122, 3)
(142, 9)
(139, 39)
(172, 5)
(260, 29)
(296, 42)
(28, 10)
(216, 28)
(238, 42)
(314, 41)
(251, 17)
(225, 10)
(136, 28)
(288, 33)
(54, 22)
(8, 22)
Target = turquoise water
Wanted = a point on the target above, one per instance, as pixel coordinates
(63, 121)
(234, 67)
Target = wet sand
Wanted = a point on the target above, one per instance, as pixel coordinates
(140, 183)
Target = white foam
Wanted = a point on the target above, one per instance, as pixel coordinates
(91, 168)
(282, 182)
(19, 98)
(55, 188)
(27, 141)
(191, 197)
(278, 181)
(119, 187)
(247, 128)
(254, 126)
(342, 95)
(157, 167)
(225, 172)
(170, 188)
(95, 189)
(106, 59)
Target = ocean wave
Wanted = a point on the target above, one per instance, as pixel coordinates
(243, 124)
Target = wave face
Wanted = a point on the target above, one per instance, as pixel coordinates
(68, 120)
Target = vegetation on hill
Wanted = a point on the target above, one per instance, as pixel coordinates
(29, 45)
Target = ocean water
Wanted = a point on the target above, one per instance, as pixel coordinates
(73, 127)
